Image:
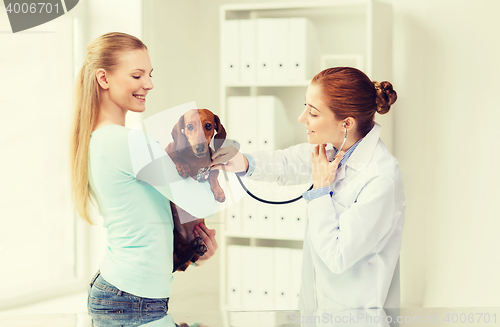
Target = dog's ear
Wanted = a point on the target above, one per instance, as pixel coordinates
(220, 137)
(180, 139)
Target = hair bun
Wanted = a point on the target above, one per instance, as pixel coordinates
(386, 96)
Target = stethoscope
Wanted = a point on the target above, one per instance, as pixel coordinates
(203, 174)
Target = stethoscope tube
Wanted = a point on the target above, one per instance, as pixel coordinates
(297, 198)
(267, 201)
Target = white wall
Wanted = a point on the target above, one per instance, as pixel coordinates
(115, 16)
(446, 73)
(36, 233)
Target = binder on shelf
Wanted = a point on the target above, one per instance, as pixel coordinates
(247, 114)
(297, 212)
(280, 51)
(247, 47)
(234, 273)
(282, 287)
(264, 50)
(287, 49)
(258, 123)
(264, 212)
(282, 218)
(234, 218)
(296, 273)
(274, 128)
(242, 122)
(265, 280)
(250, 296)
(230, 51)
(298, 219)
(249, 216)
(234, 121)
(257, 216)
(235, 193)
(265, 219)
(272, 49)
(303, 48)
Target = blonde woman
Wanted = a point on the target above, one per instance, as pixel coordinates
(135, 275)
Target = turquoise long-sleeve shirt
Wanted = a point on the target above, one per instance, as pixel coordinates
(132, 180)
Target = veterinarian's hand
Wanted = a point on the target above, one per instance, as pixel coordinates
(324, 172)
(208, 237)
(234, 159)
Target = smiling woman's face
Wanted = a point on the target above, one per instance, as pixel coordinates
(130, 82)
(319, 120)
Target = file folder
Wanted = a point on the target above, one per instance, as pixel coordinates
(230, 51)
(264, 212)
(247, 114)
(304, 50)
(247, 44)
(234, 273)
(298, 212)
(249, 278)
(296, 273)
(242, 122)
(282, 221)
(249, 216)
(234, 122)
(272, 49)
(265, 277)
(274, 128)
(282, 273)
(264, 49)
(298, 219)
(234, 218)
(287, 49)
(258, 123)
(280, 52)
(234, 194)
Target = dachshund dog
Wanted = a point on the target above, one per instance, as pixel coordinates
(190, 151)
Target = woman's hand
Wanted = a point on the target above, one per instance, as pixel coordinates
(324, 172)
(234, 159)
(208, 237)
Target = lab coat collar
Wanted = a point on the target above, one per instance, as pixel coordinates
(361, 156)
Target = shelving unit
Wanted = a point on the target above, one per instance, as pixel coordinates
(355, 27)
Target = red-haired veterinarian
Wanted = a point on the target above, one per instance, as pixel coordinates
(355, 211)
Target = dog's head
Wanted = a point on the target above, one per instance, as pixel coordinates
(195, 129)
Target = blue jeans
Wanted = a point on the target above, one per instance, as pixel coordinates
(109, 306)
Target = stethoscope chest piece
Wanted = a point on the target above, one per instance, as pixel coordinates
(203, 174)
(297, 198)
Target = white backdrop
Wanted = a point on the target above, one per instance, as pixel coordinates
(37, 234)
(447, 75)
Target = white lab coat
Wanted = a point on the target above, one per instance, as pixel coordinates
(352, 237)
